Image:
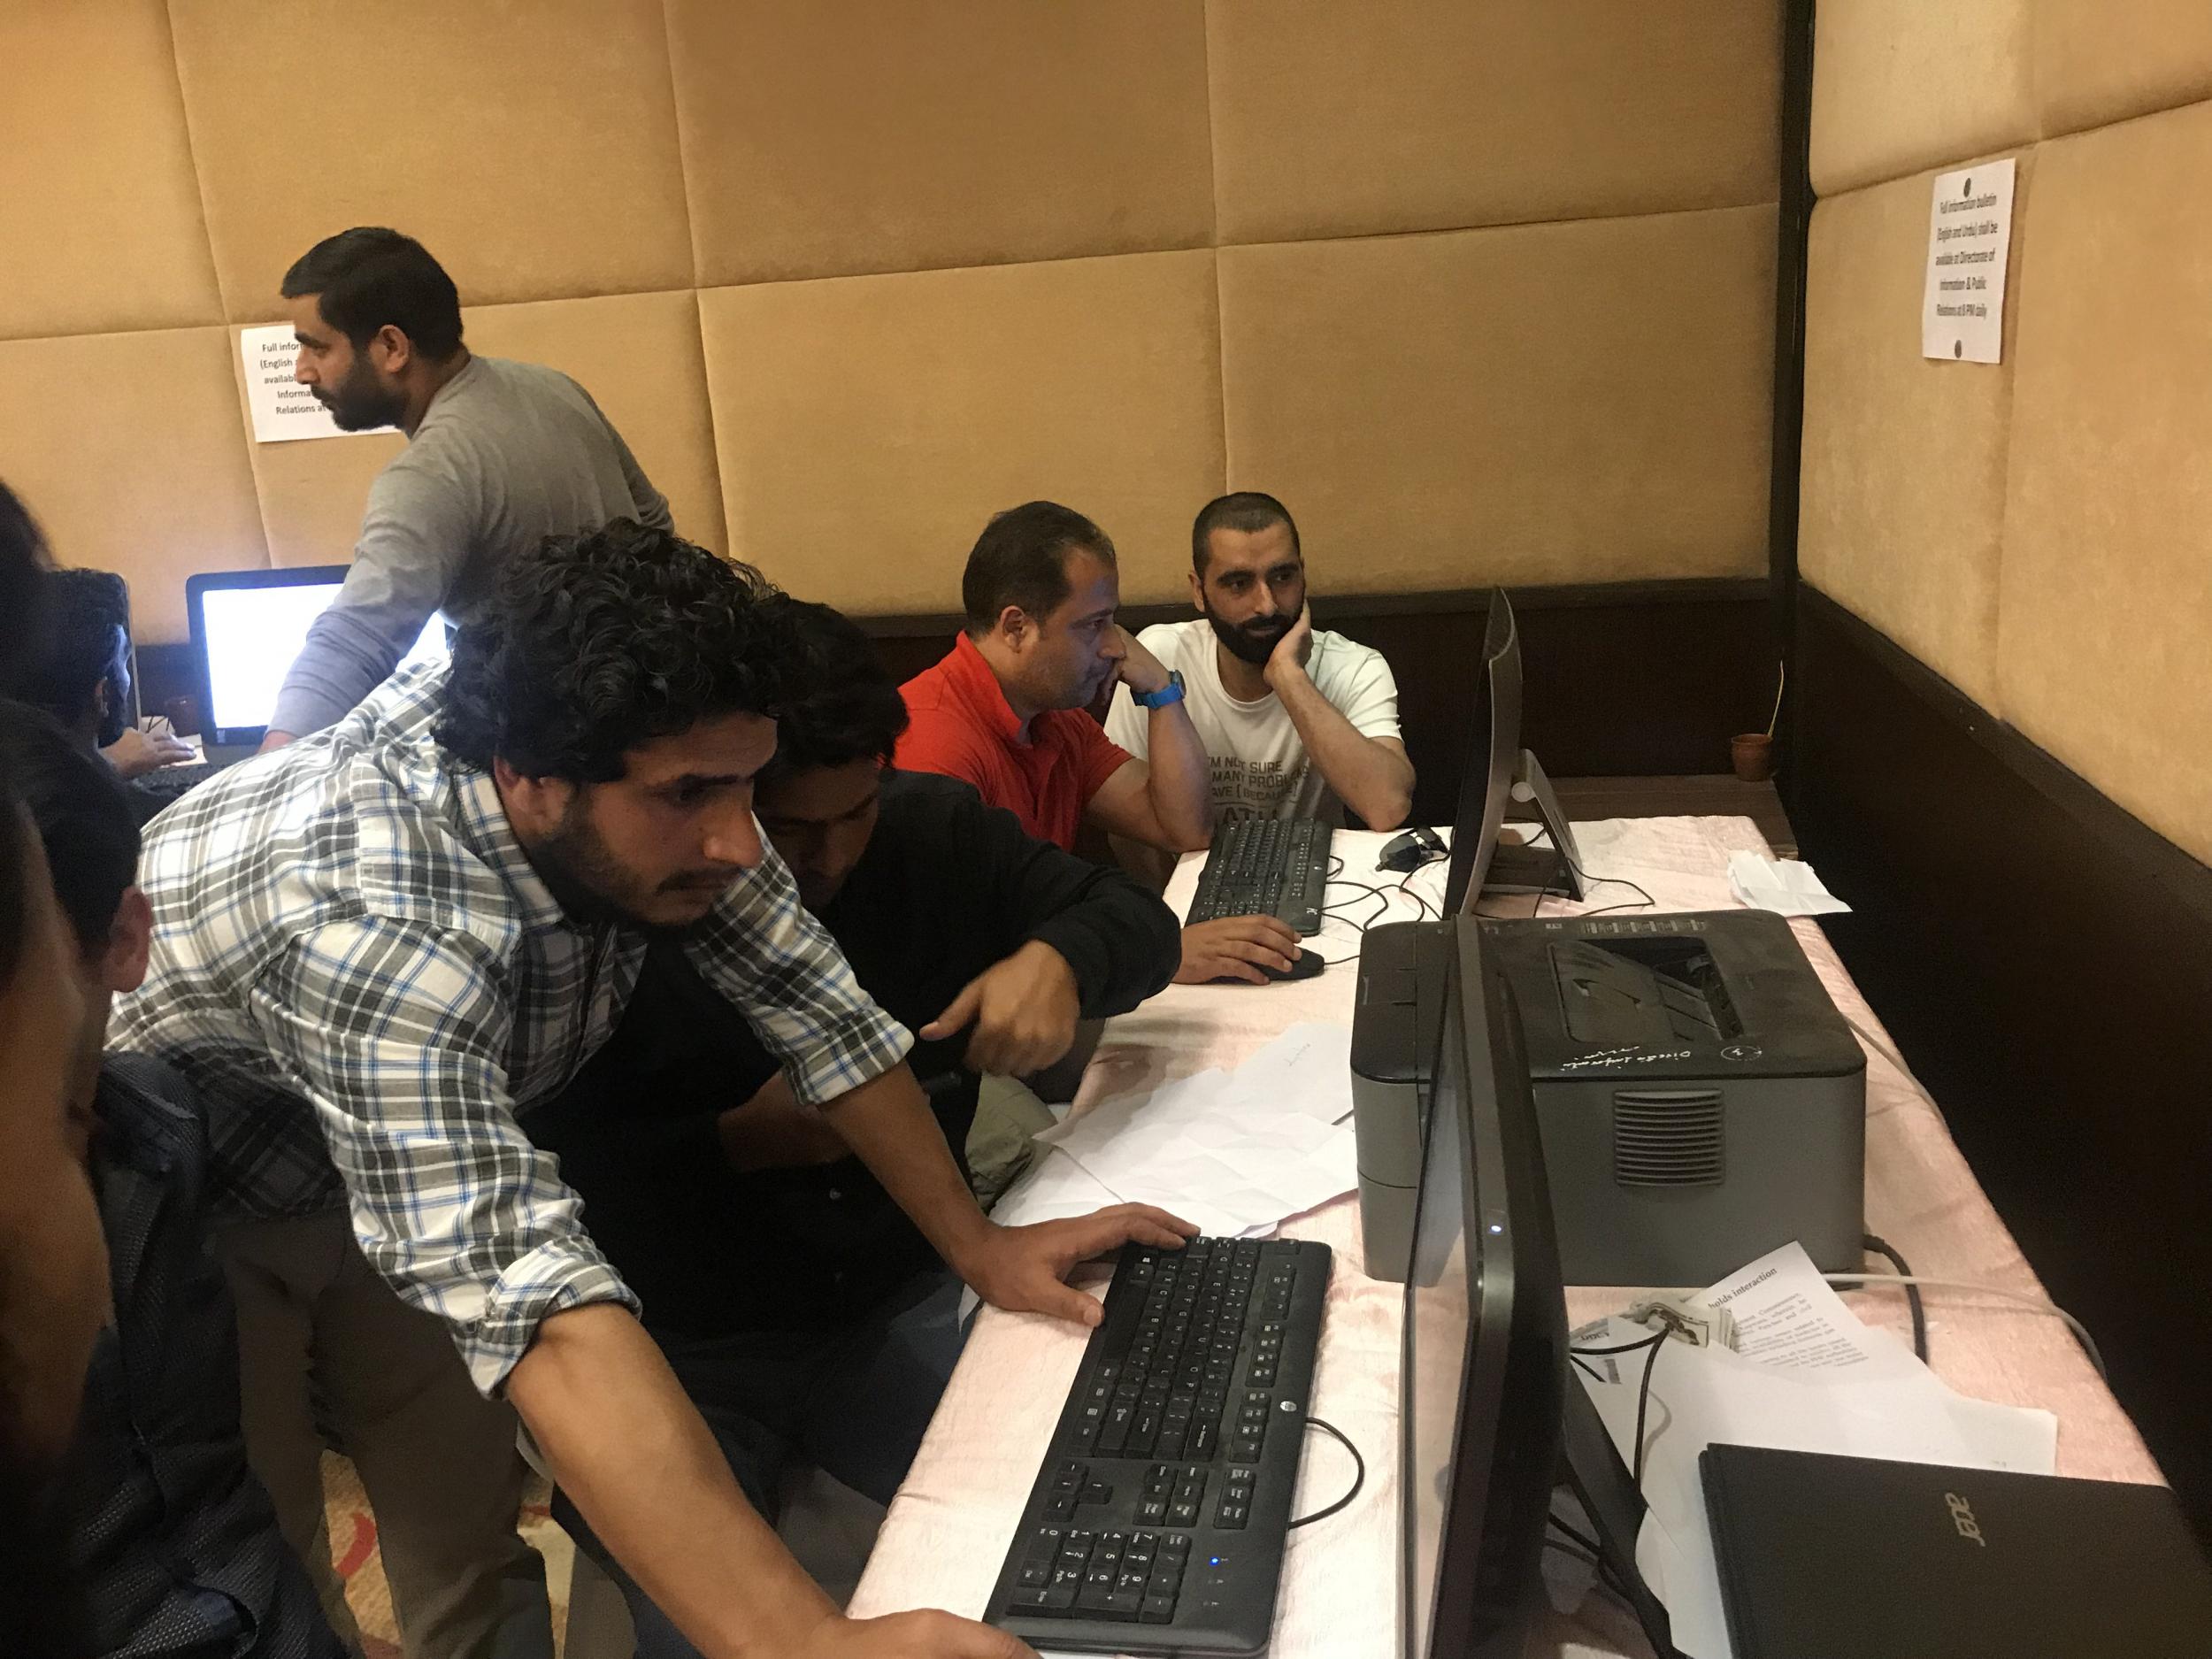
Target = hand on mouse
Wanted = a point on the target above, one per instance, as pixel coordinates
(1236, 948)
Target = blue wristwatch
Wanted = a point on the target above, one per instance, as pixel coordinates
(1170, 693)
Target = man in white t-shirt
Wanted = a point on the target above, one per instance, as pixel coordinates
(1297, 722)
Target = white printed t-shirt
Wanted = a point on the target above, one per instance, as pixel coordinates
(1260, 765)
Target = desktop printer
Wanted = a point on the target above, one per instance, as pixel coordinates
(1700, 1100)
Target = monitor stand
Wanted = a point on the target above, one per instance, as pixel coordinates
(1554, 868)
(1601, 1481)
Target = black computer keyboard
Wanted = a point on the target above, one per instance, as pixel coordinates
(1266, 866)
(170, 782)
(1157, 1521)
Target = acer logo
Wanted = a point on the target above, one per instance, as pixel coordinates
(1963, 1518)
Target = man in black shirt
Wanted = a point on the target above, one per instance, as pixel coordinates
(169, 1531)
(802, 1311)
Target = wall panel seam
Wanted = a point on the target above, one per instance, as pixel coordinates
(2183, 102)
(683, 165)
(192, 161)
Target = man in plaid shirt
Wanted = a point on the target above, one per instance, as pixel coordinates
(376, 947)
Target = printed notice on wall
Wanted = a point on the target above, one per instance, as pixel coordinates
(282, 408)
(1970, 232)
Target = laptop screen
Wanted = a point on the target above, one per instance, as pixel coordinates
(253, 635)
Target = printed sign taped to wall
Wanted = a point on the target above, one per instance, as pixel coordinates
(282, 408)
(1970, 235)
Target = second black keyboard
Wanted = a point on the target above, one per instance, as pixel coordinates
(1266, 866)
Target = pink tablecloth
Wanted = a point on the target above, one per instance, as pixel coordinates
(949, 1527)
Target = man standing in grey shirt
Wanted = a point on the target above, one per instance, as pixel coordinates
(499, 457)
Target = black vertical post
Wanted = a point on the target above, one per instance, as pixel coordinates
(1793, 221)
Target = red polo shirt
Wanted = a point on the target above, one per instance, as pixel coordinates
(961, 727)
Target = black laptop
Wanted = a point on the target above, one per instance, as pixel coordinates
(1825, 1557)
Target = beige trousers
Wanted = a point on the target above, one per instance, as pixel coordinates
(319, 1332)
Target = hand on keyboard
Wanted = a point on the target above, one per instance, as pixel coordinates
(136, 753)
(1023, 1269)
(924, 1635)
(1024, 1010)
(1236, 948)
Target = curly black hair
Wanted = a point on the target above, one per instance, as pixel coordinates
(840, 703)
(594, 644)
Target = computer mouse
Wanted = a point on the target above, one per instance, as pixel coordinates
(1304, 966)
(1411, 850)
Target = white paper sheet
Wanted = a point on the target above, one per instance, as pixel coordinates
(1234, 1152)
(282, 409)
(1787, 1316)
(1822, 1382)
(1784, 885)
(1969, 244)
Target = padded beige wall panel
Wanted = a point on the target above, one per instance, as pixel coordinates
(1584, 401)
(100, 222)
(842, 137)
(1904, 85)
(869, 426)
(532, 148)
(637, 355)
(2105, 618)
(1332, 119)
(1902, 499)
(2099, 61)
(129, 449)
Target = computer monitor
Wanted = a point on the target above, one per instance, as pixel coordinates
(1494, 739)
(1498, 769)
(247, 628)
(1484, 1378)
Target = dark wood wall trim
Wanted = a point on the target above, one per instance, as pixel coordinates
(1334, 610)
(2044, 960)
(2183, 879)
(1623, 678)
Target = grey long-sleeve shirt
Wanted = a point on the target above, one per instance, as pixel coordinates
(507, 454)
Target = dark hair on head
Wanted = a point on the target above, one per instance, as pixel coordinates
(15, 879)
(594, 644)
(83, 815)
(1021, 559)
(90, 638)
(840, 703)
(23, 573)
(367, 277)
(22, 600)
(1247, 510)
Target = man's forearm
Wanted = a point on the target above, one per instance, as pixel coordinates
(1374, 780)
(1122, 942)
(1181, 778)
(890, 1128)
(772, 1131)
(659, 1493)
(349, 651)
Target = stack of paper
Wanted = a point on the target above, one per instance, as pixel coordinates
(1806, 1376)
(1784, 885)
(1236, 1152)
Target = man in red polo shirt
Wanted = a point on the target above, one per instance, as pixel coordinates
(1005, 710)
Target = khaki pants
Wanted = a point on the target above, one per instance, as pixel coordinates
(438, 1460)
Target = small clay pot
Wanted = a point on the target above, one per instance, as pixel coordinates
(1753, 756)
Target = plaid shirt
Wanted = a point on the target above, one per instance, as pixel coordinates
(358, 968)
